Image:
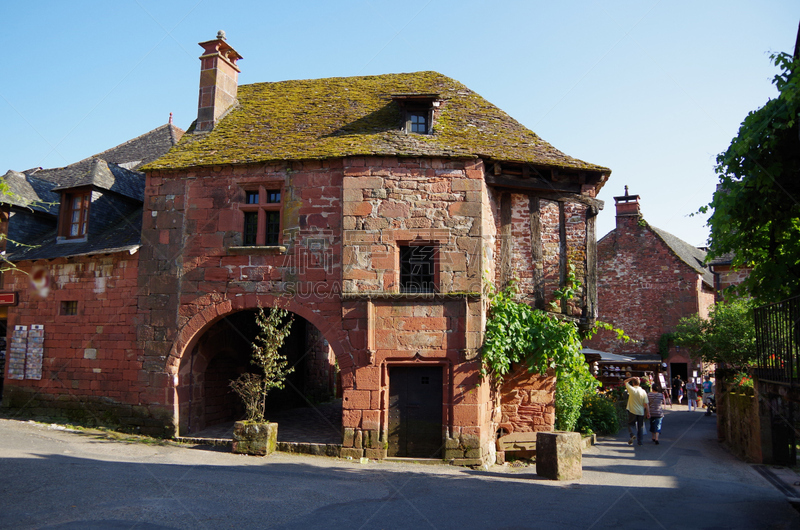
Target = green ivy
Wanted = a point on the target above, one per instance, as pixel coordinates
(517, 333)
(663, 344)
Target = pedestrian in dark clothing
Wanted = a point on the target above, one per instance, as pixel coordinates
(655, 398)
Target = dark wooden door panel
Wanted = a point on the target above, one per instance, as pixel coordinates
(415, 411)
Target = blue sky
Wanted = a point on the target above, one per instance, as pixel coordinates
(653, 90)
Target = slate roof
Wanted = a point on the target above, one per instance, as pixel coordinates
(123, 235)
(689, 254)
(108, 177)
(115, 170)
(30, 192)
(130, 155)
(356, 116)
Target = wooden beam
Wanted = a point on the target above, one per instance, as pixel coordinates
(536, 252)
(506, 265)
(533, 183)
(591, 265)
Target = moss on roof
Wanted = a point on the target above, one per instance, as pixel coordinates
(356, 116)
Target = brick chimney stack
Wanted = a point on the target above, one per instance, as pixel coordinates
(219, 81)
(627, 205)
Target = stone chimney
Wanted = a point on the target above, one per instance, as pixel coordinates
(219, 81)
(627, 205)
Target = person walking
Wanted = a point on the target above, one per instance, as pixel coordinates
(655, 398)
(708, 394)
(638, 408)
(691, 394)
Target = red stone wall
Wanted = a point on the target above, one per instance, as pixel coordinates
(92, 369)
(197, 275)
(643, 288)
(527, 402)
(727, 276)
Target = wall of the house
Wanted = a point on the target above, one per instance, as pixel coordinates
(91, 370)
(195, 276)
(643, 288)
(386, 203)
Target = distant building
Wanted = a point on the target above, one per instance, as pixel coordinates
(648, 279)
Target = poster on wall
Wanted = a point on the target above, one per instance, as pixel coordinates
(34, 352)
(16, 352)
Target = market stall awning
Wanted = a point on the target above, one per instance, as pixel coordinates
(606, 356)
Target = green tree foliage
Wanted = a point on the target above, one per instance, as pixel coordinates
(274, 326)
(756, 208)
(517, 333)
(727, 336)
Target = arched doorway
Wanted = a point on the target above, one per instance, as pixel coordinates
(223, 352)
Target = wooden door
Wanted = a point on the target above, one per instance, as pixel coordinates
(415, 411)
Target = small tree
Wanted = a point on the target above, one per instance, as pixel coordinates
(252, 388)
(727, 336)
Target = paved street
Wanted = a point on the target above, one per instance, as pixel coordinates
(56, 479)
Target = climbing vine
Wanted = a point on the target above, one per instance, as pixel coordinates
(517, 333)
(664, 342)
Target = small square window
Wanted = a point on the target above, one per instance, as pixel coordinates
(69, 307)
(418, 123)
(417, 269)
(251, 197)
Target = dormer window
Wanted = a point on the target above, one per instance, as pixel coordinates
(417, 111)
(74, 220)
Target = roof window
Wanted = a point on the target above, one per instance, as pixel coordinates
(417, 111)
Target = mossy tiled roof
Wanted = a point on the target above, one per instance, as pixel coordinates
(356, 116)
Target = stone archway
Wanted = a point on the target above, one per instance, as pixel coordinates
(219, 351)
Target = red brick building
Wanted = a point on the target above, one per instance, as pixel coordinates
(648, 280)
(74, 234)
(373, 209)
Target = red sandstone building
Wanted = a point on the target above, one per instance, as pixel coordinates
(375, 209)
(648, 280)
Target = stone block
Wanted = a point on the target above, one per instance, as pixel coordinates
(558, 455)
(466, 462)
(253, 438)
(375, 454)
(349, 437)
(352, 452)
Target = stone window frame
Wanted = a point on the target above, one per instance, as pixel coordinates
(262, 208)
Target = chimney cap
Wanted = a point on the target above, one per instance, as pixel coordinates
(627, 197)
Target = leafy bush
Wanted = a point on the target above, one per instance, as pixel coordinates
(598, 415)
